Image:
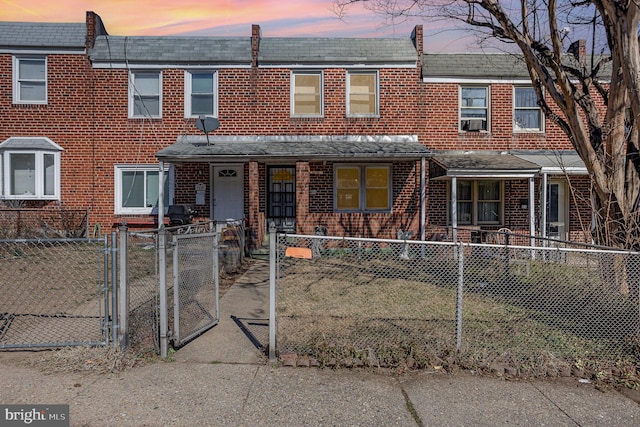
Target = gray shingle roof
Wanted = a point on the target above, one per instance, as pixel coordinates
(175, 50)
(34, 35)
(470, 65)
(460, 163)
(485, 65)
(310, 51)
(221, 148)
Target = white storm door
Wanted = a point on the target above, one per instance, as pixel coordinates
(228, 192)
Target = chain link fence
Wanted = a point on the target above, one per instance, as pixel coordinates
(193, 254)
(394, 303)
(53, 293)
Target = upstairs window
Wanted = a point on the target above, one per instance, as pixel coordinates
(201, 93)
(306, 94)
(363, 188)
(474, 108)
(145, 89)
(362, 93)
(137, 189)
(30, 80)
(527, 115)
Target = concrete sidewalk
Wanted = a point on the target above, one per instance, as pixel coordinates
(222, 379)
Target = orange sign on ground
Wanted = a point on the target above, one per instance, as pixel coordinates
(304, 253)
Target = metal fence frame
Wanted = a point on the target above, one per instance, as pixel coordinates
(461, 263)
(77, 293)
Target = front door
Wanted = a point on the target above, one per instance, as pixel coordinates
(281, 197)
(227, 200)
(557, 221)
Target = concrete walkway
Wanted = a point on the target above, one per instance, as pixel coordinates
(243, 326)
(222, 379)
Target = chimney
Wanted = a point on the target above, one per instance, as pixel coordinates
(256, 34)
(417, 37)
(95, 28)
(579, 51)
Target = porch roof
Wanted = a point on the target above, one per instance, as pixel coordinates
(190, 148)
(482, 164)
(555, 161)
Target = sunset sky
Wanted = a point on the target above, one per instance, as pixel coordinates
(277, 18)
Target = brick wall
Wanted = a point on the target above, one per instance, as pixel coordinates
(441, 124)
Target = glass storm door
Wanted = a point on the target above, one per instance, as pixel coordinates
(281, 197)
(557, 210)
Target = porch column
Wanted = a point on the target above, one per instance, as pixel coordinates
(161, 195)
(256, 228)
(423, 198)
(532, 211)
(454, 208)
(302, 198)
(543, 206)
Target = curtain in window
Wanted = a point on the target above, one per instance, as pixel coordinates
(488, 201)
(362, 93)
(306, 97)
(348, 188)
(527, 112)
(377, 188)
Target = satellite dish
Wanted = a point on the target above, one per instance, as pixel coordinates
(207, 124)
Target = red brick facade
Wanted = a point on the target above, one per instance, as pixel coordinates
(87, 113)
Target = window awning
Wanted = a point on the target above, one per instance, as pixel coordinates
(30, 143)
(190, 148)
(480, 164)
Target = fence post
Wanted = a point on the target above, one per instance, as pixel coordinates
(459, 255)
(272, 291)
(162, 275)
(124, 288)
(105, 289)
(216, 270)
(114, 291)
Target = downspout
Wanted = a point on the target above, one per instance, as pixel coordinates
(532, 215)
(161, 195)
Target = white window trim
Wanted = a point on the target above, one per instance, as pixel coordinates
(293, 89)
(362, 189)
(488, 107)
(517, 129)
(377, 93)
(118, 169)
(132, 92)
(39, 180)
(187, 92)
(474, 204)
(17, 97)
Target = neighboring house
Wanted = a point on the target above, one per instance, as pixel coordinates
(496, 153)
(358, 137)
(45, 116)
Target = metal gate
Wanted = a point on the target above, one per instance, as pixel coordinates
(195, 285)
(54, 292)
